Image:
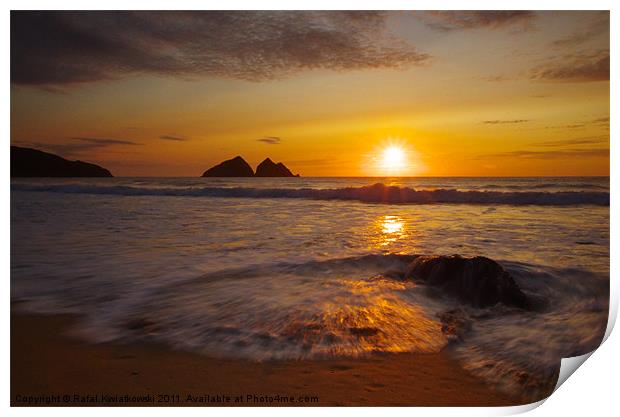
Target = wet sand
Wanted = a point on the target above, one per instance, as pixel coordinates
(48, 367)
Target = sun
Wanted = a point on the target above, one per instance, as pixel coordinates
(393, 158)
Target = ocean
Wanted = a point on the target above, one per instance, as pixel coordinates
(311, 268)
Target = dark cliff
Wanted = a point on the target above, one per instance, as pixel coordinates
(27, 162)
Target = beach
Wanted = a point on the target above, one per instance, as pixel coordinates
(45, 361)
(246, 287)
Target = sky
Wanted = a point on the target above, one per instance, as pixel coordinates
(463, 93)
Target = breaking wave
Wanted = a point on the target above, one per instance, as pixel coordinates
(377, 193)
(352, 307)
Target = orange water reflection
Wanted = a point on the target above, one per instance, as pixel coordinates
(366, 317)
(391, 229)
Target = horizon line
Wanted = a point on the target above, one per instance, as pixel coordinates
(365, 176)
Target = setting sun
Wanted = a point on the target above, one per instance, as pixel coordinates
(393, 158)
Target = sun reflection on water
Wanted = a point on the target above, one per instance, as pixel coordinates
(392, 224)
(364, 317)
(392, 228)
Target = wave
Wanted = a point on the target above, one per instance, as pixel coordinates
(345, 307)
(553, 186)
(377, 193)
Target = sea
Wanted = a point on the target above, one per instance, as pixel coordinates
(271, 269)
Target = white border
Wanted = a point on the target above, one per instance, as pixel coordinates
(594, 391)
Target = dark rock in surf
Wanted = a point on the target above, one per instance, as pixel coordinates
(478, 281)
(455, 324)
(236, 167)
(268, 168)
(28, 162)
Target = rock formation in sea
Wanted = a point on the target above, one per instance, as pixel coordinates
(236, 167)
(28, 162)
(268, 168)
(478, 281)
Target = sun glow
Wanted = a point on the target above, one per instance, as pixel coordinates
(393, 158)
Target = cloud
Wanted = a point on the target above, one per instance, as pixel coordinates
(78, 146)
(599, 27)
(574, 39)
(446, 21)
(600, 122)
(567, 153)
(270, 140)
(64, 149)
(501, 122)
(579, 125)
(494, 78)
(173, 137)
(107, 141)
(59, 48)
(574, 68)
(572, 142)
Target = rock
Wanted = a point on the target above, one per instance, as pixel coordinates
(478, 281)
(27, 162)
(455, 324)
(268, 168)
(236, 167)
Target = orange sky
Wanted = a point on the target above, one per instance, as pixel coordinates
(462, 94)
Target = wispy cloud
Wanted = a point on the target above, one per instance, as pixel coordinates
(270, 140)
(59, 48)
(501, 122)
(568, 126)
(77, 146)
(574, 68)
(494, 78)
(565, 153)
(106, 141)
(64, 149)
(572, 142)
(173, 137)
(600, 122)
(574, 39)
(446, 21)
(599, 27)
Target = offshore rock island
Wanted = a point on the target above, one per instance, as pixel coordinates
(238, 167)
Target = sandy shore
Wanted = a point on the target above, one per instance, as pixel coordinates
(49, 367)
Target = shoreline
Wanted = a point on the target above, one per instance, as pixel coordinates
(47, 365)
